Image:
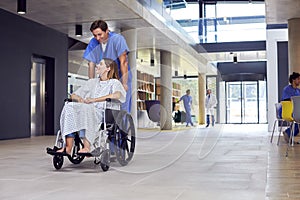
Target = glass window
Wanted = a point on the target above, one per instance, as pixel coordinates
(224, 22)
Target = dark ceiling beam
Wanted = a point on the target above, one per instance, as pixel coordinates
(196, 1)
(76, 44)
(230, 47)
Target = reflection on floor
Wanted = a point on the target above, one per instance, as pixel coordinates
(220, 163)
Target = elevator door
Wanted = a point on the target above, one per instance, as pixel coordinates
(38, 97)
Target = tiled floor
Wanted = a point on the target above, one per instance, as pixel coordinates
(225, 162)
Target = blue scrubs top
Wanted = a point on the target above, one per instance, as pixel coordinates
(116, 46)
(289, 92)
(187, 101)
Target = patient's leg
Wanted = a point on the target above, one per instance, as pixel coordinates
(69, 145)
(86, 148)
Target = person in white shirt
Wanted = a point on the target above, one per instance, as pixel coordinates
(210, 104)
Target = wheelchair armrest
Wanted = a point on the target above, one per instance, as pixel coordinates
(108, 100)
(113, 100)
(70, 100)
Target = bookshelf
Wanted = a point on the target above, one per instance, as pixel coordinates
(145, 89)
(176, 90)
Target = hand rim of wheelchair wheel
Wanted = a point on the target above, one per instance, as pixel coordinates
(124, 146)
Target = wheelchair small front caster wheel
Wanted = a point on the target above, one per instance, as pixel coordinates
(105, 160)
(58, 161)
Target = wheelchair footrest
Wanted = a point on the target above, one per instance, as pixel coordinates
(95, 153)
(54, 152)
(87, 154)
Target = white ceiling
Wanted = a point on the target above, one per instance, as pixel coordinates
(64, 14)
(279, 11)
(121, 15)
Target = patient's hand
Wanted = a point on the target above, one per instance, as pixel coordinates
(89, 100)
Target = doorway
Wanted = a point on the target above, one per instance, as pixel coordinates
(243, 99)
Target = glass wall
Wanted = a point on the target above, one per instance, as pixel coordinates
(223, 22)
(243, 102)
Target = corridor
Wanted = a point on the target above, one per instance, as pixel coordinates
(220, 163)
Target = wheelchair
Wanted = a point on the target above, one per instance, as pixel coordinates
(116, 140)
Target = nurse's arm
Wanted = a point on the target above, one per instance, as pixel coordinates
(91, 72)
(124, 69)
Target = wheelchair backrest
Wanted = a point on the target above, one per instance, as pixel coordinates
(110, 116)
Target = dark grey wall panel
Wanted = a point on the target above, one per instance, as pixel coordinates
(283, 66)
(20, 39)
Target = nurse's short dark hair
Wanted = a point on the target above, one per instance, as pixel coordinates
(293, 76)
(99, 24)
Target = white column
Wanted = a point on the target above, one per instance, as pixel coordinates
(201, 97)
(273, 36)
(131, 39)
(294, 45)
(166, 90)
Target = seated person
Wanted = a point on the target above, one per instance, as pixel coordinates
(176, 114)
(288, 92)
(86, 112)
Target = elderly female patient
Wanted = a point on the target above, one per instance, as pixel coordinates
(86, 112)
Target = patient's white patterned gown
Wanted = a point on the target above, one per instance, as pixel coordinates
(78, 116)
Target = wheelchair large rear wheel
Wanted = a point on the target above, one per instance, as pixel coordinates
(75, 158)
(124, 138)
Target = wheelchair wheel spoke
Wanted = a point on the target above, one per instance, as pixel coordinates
(126, 146)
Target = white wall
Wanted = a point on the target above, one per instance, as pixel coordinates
(273, 36)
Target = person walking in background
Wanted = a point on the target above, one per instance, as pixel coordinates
(187, 102)
(106, 44)
(210, 104)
